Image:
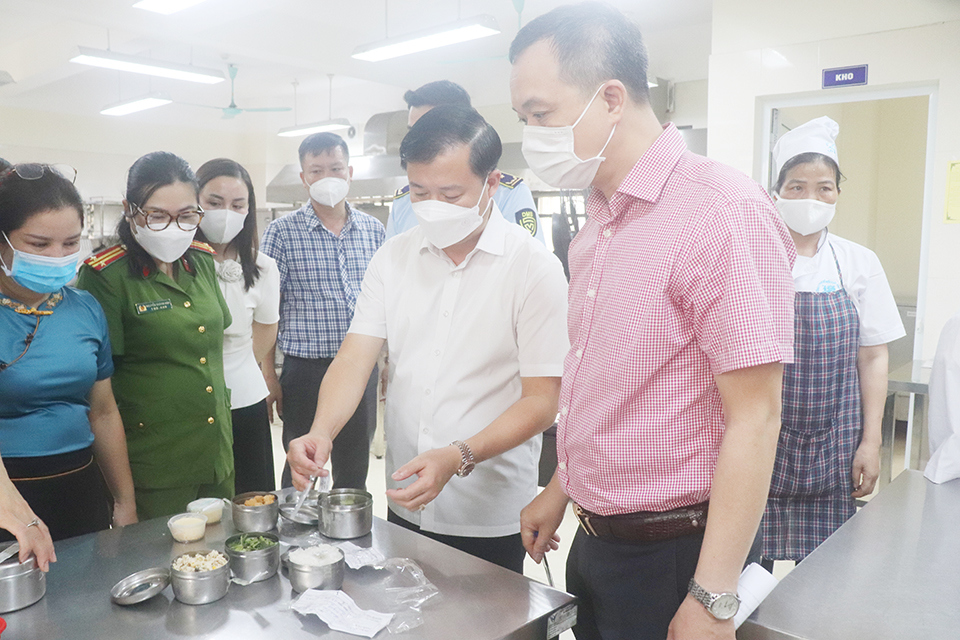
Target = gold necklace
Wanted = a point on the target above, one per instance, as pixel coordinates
(22, 309)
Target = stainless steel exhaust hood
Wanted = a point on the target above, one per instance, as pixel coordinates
(377, 173)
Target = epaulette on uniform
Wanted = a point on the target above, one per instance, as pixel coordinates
(401, 192)
(509, 180)
(102, 260)
(202, 246)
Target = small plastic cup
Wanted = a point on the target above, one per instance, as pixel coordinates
(187, 527)
(210, 507)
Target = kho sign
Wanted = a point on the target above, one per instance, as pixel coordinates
(845, 76)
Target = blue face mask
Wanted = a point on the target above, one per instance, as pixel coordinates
(41, 274)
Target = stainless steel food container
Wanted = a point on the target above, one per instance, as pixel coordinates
(199, 587)
(250, 519)
(346, 513)
(20, 584)
(254, 566)
(303, 577)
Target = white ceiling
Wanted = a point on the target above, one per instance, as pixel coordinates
(277, 42)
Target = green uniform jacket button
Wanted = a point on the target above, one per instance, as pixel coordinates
(201, 329)
(209, 389)
(203, 361)
(211, 420)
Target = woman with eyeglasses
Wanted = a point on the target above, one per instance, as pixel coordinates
(167, 317)
(250, 283)
(57, 411)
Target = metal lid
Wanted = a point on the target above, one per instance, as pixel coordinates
(306, 515)
(140, 586)
(12, 567)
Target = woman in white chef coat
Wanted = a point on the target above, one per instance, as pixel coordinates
(834, 392)
(250, 282)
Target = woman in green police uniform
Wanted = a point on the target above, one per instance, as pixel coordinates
(166, 316)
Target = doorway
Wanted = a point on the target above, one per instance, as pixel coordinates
(882, 149)
(884, 145)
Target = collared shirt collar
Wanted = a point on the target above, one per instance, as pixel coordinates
(491, 241)
(648, 177)
(313, 220)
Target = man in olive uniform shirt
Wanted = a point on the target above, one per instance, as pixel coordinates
(167, 340)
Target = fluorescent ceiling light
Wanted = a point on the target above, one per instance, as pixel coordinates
(461, 31)
(651, 84)
(166, 7)
(136, 104)
(137, 64)
(306, 129)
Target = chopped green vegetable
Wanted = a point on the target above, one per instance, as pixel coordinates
(252, 543)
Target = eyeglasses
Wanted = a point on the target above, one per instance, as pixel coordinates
(158, 219)
(35, 171)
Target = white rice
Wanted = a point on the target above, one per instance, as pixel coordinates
(317, 556)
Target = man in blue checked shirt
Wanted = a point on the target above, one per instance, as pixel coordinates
(513, 196)
(322, 251)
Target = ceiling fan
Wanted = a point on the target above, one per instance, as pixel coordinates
(232, 110)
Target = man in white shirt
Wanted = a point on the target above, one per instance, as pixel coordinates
(474, 312)
(513, 196)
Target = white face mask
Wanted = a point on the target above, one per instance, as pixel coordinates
(806, 216)
(329, 191)
(549, 153)
(222, 225)
(167, 245)
(444, 223)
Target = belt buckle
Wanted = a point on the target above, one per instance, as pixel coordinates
(584, 519)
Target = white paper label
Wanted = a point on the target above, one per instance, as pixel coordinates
(341, 613)
(357, 557)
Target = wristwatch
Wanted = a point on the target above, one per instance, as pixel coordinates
(721, 606)
(466, 458)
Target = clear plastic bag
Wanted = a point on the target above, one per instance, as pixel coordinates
(406, 591)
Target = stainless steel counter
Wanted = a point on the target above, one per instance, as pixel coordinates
(892, 572)
(914, 379)
(478, 600)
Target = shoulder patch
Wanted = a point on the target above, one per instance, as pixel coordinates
(529, 220)
(509, 181)
(401, 192)
(105, 258)
(202, 246)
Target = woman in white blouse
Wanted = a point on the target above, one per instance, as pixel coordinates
(834, 391)
(250, 283)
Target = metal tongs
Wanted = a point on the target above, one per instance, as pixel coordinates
(303, 496)
(546, 566)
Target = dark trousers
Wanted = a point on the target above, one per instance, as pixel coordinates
(629, 591)
(253, 449)
(506, 551)
(66, 491)
(350, 459)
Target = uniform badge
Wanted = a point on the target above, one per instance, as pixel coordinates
(528, 219)
(151, 307)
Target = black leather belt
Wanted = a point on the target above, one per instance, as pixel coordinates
(644, 526)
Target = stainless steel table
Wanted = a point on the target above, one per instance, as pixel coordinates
(892, 572)
(477, 599)
(912, 378)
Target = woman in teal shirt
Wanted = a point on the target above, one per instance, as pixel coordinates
(166, 315)
(57, 411)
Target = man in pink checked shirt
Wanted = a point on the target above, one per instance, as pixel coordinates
(680, 317)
